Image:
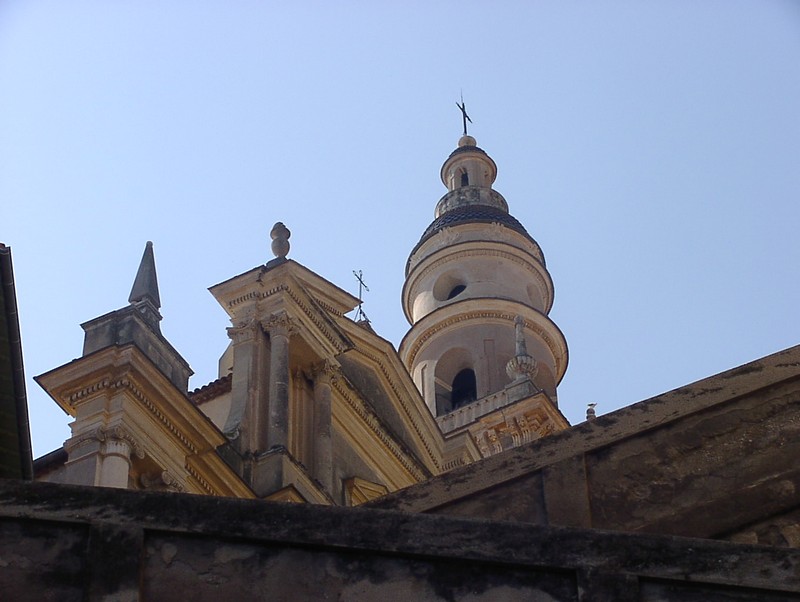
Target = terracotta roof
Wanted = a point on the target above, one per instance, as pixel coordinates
(213, 389)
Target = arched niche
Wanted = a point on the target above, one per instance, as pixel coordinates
(454, 380)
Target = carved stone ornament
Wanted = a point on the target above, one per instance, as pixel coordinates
(102, 434)
(447, 237)
(280, 325)
(243, 332)
(326, 371)
(499, 231)
(522, 366)
(280, 240)
(160, 481)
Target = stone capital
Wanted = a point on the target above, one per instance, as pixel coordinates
(116, 440)
(279, 324)
(326, 371)
(161, 480)
(243, 332)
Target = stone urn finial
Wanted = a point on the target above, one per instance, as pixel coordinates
(280, 240)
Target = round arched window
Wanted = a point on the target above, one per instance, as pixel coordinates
(465, 388)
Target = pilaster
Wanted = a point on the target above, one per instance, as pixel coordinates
(279, 327)
(102, 456)
(247, 420)
(324, 374)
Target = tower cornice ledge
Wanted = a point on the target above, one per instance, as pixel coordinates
(458, 252)
(486, 311)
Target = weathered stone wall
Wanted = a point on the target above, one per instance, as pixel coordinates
(66, 543)
(714, 459)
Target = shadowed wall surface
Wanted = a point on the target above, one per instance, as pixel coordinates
(73, 543)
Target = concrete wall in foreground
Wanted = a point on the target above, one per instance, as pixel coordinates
(62, 542)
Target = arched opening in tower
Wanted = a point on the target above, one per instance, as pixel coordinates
(457, 290)
(464, 178)
(465, 388)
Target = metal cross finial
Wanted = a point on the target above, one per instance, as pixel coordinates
(464, 116)
(362, 286)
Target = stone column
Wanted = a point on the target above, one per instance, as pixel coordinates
(324, 374)
(105, 453)
(116, 464)
(279, 327)
(247, 421)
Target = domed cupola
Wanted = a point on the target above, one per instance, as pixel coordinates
(476, 289)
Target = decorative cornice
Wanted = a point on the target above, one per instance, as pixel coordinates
(497, 233)
(537, 270)
(321, 326)
(521, 428)
(125, 383)
(310, 312)
(357, 491)
(88, 390)
(208, 487)
(460, 460)
(369, 419)
(403, 404)
(485, 314)
(329, 308)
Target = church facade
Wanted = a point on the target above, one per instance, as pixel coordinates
(311, 405)
(691, 495)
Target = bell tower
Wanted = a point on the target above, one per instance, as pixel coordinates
(477, 294)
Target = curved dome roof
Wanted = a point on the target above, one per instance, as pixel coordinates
(472, 214)
(481, 214)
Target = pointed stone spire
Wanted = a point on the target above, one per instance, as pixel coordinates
(145, 287)
(139, 324)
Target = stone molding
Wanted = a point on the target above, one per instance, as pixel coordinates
(155, 411)
(369, 419)
(466, 316)
(401, 398)
(105, 435)
(126, 383)
(243, 332)
(358, 491)
(310, 313)
(498, 234)
(538, 271)
(209, 489)
(326, 371)
(458, 255)
(161, 479)
(276, 290)
(280, 324)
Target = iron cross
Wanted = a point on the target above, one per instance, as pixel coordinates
(464, 116)
(362, 286)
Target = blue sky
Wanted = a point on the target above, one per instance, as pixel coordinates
(651, 148)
